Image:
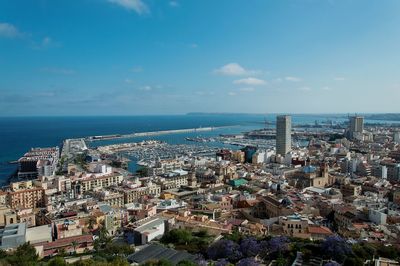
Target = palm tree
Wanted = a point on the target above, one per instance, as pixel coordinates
(74, 245)
(91, 223)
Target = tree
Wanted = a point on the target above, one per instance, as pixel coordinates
(247, 262)
(91, 222)
(336, 248)
(74, 245)
(177, 236)
(119, 249)
(281, 261)
(161, 262)
(25, 254)
(224, 249)
(142, 171)
(250, 247)
(363, 251)
(352, 261)
(186, 263)
(274, 247)
(57, 261)
(202, 233)
(222, 262)
(235, 236)
(61, 252)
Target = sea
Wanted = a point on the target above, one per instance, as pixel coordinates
(19, 134)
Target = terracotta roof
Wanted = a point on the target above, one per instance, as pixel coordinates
(65, 242)
(360, 226)
(321, 230)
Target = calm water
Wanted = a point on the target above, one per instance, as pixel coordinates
(19, 134)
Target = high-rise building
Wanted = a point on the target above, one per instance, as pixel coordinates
(396, 136)
(283, 134)
(356, 126)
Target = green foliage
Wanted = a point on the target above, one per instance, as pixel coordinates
(118, 249)
(142, 171)
(353, 261)
(56, 261)
(388, 251)
(281, 261)
(161, 262)
(194, 242)
(235, 236)
(24, 255)
(363, 251)
(80, 159)
(177, 236)
(186, 263)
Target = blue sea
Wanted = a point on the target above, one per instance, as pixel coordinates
(19, 134)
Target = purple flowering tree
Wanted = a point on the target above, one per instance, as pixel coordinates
(274, 247)
(250, 247)
(247, 262)
(222, 262)
(336, 248)
(200, 261)
(224, 249)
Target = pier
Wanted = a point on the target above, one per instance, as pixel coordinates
(151, 133)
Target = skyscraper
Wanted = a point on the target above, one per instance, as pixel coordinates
(356, 126)
(283, 134)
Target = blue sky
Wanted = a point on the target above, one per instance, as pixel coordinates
(127, 57)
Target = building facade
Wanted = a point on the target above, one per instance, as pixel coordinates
(283, 134)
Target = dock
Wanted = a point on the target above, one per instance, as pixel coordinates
(151, 133)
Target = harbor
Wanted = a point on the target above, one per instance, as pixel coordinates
(151, 133)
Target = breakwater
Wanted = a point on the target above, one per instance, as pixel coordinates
(151, 133)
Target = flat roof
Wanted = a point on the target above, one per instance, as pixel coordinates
(157, 252)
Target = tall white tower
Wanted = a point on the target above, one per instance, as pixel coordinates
(283, 134)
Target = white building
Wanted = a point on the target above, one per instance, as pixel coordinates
(377, 216)
(283, 134)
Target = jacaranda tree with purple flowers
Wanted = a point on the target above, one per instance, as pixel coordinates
(222, 262)
(335, 247)
(224, 249)
(248, 262)
(274, 247)
(250, 247)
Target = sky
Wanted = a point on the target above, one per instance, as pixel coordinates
(135, 57)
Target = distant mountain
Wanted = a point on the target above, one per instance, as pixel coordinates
(233, 114)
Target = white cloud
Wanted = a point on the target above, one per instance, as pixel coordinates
(137, 69)
(46, 41)
(339, 78)
(293, 79)
(250, 81)
(304, 89)
(173, 3)
(8, 30)
(128, 81)
(232, 93)
(134, 5)
(234, 69)
(205, 93)
(326, 88)
(247, 89)
(55, 70)
(194, 45)
(146, 88)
